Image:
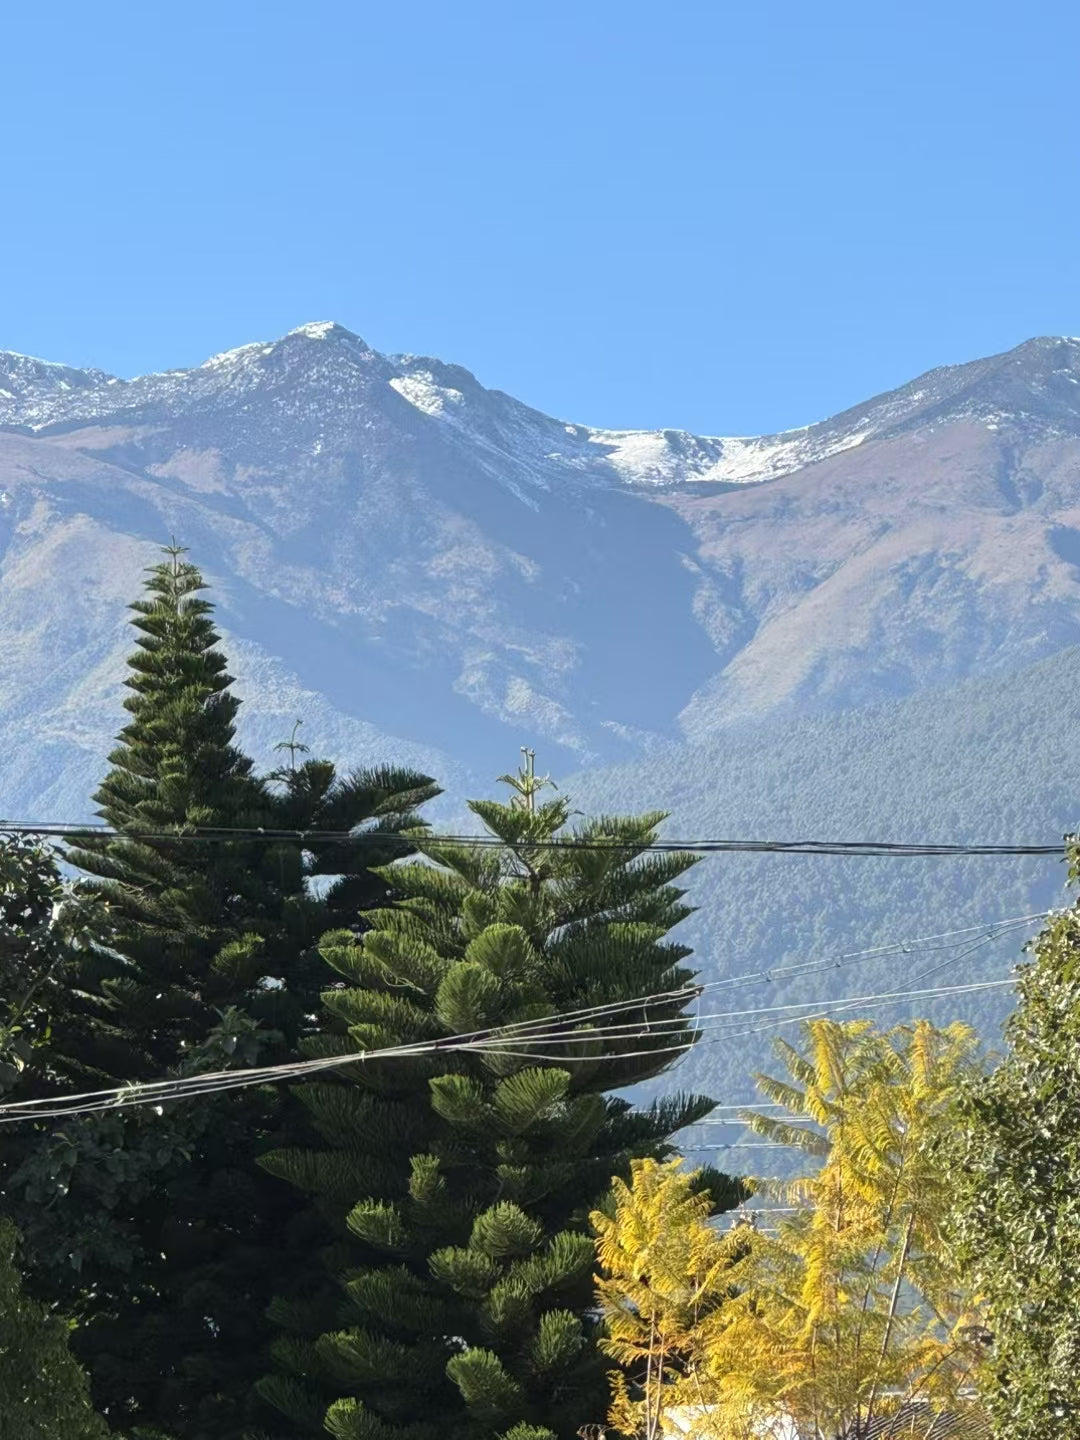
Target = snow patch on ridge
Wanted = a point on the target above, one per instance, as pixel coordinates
(225, 358)
(317, 329)
(666, 457)
(515, 438)
(321, 366)
(420, 389)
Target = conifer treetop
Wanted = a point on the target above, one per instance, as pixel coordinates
(462, 1184)
(175, 763)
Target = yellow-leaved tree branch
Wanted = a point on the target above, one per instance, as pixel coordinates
(847, 1314)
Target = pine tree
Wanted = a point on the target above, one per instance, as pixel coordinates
(158, 1230)
(1018, 1211)
(43, 1392)
(461, 1184)
(181, 907)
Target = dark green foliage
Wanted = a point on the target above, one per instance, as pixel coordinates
(991, 759)
(158, 1230)
(1019, 1206)
(43, 1392)
(465, 1180)
(45, 924)
(179, 908)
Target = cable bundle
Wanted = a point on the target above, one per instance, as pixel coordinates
(619, 1022)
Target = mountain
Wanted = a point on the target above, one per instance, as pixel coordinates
(424, 567)
(942, 542)
(992, 760)
(865, 628)
(451, 579)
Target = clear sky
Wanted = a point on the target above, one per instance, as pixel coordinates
(729, 217)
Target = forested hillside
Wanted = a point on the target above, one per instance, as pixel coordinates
(993, 760)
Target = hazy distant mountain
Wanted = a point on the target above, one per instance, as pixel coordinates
(427, 569)
(867, 628)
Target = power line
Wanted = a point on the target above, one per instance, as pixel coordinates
(688, 1030)
(687, 1039)
(152, 1092)
(842, 1007)
(738, 1145)
(482, 1042)
(662, 1028)
(429, 840)
(918, 945)
(737, 1124)
(678, 1024)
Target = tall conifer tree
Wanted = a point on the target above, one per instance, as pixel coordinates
(462, 1183)
(159, 1229)
(181, 906)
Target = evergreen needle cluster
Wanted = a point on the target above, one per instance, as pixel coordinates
(461, 1307)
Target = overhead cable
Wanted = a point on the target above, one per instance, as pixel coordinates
(552, 1029)
(202, 834)
(497, 1043)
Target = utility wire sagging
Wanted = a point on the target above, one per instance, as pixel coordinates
(602, 1022)
(430, 841)
(499, 1042)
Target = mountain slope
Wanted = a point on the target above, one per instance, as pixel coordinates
(992, 760)
(432, 569)
(350, 535)
(912, 561)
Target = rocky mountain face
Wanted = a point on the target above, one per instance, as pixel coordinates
(428, 570)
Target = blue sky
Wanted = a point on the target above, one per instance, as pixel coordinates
(725, 217)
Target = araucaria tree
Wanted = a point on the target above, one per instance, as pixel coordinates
(158, 1231)
(1019, 1206)
(189, 911)
(462, 1180)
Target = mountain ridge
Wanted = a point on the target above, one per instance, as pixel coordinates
(881, 640)
(457, 572)
(659, 457)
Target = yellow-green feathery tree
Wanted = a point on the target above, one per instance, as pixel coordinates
(849, 1310)
(664, 1272)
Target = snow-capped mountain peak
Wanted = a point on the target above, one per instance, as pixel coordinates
(440, 560)
(323, 369)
